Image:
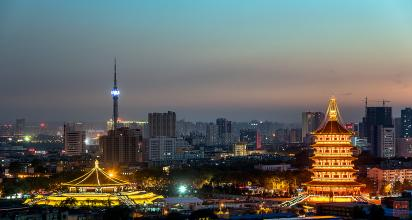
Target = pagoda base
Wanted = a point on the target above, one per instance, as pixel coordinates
(327, 199)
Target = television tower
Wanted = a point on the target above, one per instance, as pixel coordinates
(115, 95)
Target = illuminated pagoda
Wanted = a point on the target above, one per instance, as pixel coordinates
(334, 176)
(96, 188)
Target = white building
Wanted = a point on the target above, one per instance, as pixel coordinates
(162, 148)
(386, 142)
(74, 139)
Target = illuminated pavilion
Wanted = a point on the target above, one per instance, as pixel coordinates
(96, 188)
(334, 176)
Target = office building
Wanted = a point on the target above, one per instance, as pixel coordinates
(282, 135)
(386, 142)
(252, 138)
(406, 123)
(162, 148)
(295, 135)
(212, 135)
(74, 139)
(162, 124)
(310, 122)
(122, 147)
(224, 131)
(374, 123)
(19, 127)
(404, 147)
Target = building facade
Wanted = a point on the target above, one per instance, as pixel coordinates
(310, 122)
(383, 176)
(74, 139)
(406, 123)
(404, 147)
(386, 142)
(224, 131)
(212, 135)
(376, 120)
(162, 124)
(122, 147)
(239, 149)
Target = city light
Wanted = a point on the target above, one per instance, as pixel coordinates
(27, 138)
(115, 92)
(182, 189)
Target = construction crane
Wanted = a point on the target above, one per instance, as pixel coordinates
(383, 101)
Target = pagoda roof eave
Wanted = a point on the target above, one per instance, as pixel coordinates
(331, 169)
(337, 183)
(334, 157)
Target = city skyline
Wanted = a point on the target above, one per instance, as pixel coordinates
(264, 61)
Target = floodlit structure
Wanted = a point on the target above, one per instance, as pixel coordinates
(96, 188)
(333, 173)
(334, 176)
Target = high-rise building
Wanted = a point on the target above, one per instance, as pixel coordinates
(406, 123)
(252, 138)
(224, 132)
(282, 135)
(212, 135)
(162, 124)
(74, 139)
(19, 127)
(334, 176)
(404, 147)
(162, 149)
(386, 142)
(122, 146)
(295, 135)
(310, 122)
(376, 119)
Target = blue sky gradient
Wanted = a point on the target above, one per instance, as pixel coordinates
(203, 59)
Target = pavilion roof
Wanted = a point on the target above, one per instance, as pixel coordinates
(96, 177)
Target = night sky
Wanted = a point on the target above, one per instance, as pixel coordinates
(265, 60)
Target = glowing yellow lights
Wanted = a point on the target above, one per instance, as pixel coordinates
(96, 188)
(334, 176)
(27, 138)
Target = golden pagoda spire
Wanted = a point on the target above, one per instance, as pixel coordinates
(332, 113)
(96, 164)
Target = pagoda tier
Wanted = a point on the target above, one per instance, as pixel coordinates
(332, 168)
